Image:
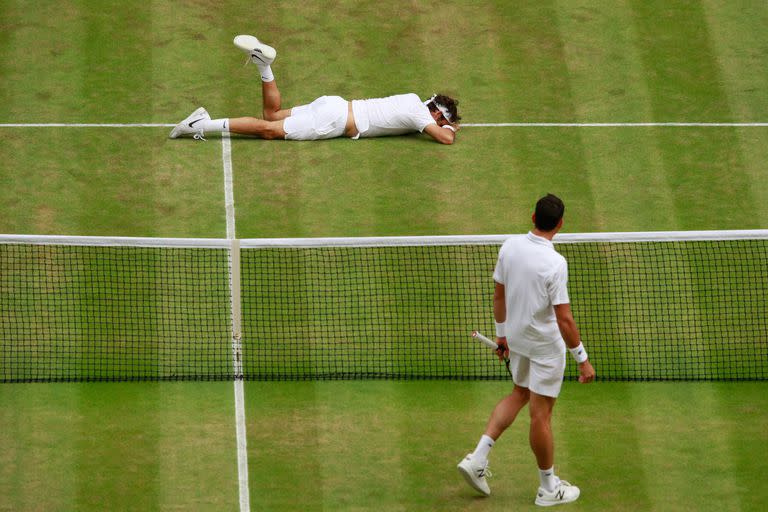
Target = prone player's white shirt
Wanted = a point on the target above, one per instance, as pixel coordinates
(393, 115)
(535, 279)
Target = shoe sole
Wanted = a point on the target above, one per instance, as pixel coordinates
(468, 477)
(254, 47)
(554, 503)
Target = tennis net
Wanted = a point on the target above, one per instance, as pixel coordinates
(650, 306)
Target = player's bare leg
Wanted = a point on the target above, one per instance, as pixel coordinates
(506, 411)
(541, 439)
(271, 127)
(552, 490)
(272, 102)
(474, 467)
(257, 127)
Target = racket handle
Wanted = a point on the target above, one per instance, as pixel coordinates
(485, 341)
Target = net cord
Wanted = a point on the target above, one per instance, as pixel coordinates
(393, 241)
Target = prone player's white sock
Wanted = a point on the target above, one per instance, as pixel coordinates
(483, 448)
(266, 72)
(548, 479)
(215, 125)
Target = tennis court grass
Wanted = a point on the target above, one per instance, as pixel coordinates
(374, 446)
(381, 445)
(147, 446)
(505, 62)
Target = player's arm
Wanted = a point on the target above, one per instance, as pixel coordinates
(500, 315)
(570, 333)
(441, 134)
(567, 325)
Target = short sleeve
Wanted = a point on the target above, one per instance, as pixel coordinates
(557, 285)
(420, 115)
(498, 272)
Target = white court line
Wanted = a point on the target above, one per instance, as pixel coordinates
(237, 364)
(234, 259)
(84, 125)
(612, 125)
(469, 125)
(229, 197)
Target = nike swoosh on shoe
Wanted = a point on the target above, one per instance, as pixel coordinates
(256, 56)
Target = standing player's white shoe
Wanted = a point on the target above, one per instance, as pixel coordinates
(475, 474)
(258, 52)
(191, 125)
(563, 493)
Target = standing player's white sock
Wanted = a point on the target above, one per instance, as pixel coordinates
(483, 448)
(215, 125)
(548, 479)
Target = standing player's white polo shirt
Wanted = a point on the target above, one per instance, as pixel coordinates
(535, 279)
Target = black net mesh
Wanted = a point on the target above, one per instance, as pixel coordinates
(693, 310)
(71, 313)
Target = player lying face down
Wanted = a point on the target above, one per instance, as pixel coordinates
(327, 117)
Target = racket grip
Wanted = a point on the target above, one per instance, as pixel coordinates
(485, 341)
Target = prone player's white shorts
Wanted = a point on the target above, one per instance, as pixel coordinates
(324, 118)
(544, 376)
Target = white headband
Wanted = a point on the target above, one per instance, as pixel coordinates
(441, 108)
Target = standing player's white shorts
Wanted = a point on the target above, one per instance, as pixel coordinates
(324, 118)
(544, 376)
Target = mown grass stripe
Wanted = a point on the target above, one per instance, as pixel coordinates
(289, 445)
(738, 38)
(743, 432)
(683, 87)
(735, 39)
(344, 449)
(38, 467)
(617, 451)
(194, 449)
(532, 60)
(605, 69)
(681, 435)
(117, 463)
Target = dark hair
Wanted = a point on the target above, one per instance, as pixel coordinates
(449, 103)
(549, 211)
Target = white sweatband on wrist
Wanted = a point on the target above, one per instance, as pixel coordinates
(450, 127)
(500, 330)
(579, 353)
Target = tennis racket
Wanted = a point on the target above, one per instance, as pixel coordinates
(492, 345)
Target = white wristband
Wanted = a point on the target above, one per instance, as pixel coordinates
(500, 330)
(579, 353)
(450, 127)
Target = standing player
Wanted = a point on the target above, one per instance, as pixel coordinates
(534, 324)
(328, 116)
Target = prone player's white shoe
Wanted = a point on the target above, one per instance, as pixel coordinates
(192, 125)
(474, 473)
(258, 52)
(563, 493)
